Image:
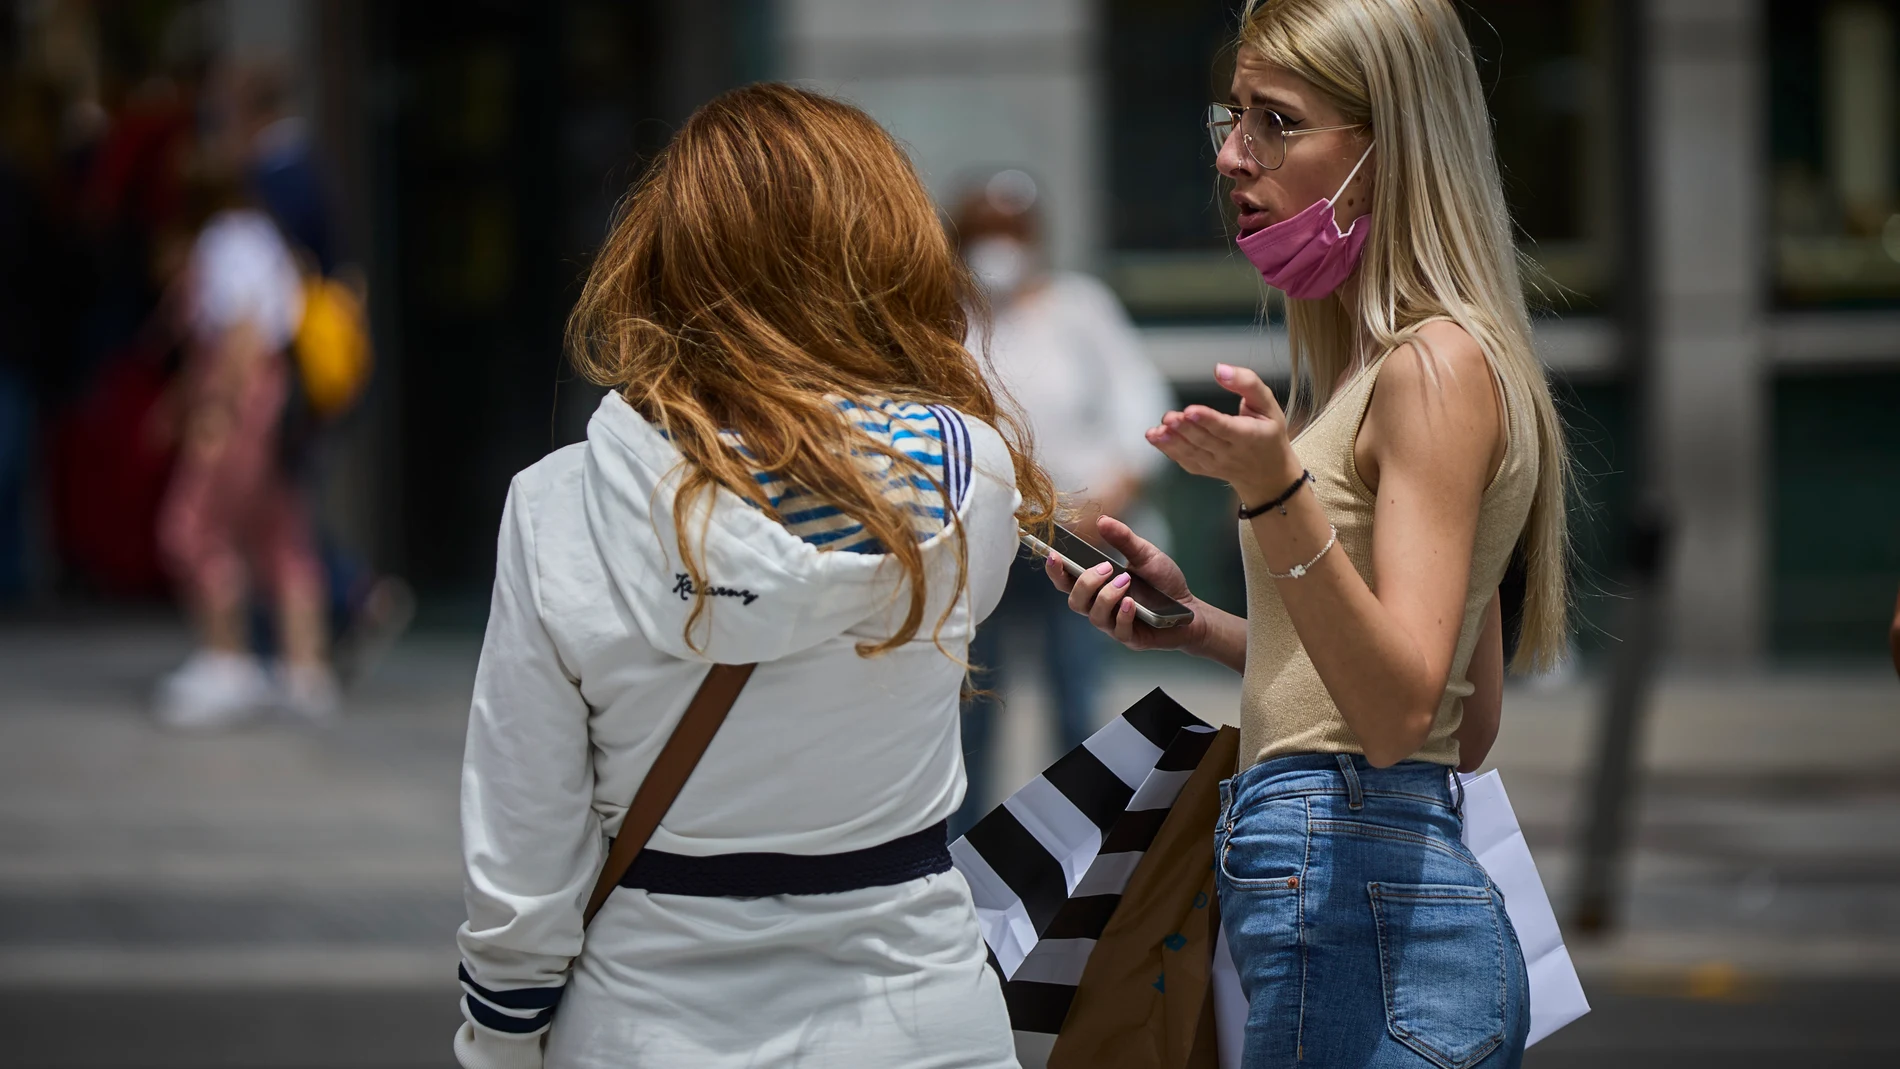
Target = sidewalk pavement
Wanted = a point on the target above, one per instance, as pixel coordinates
(138, 866)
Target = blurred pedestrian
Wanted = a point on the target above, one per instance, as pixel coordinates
(1419, 446)
(105, 474)
(1061, 345)
(285, 176)
(799, 466)
(234, 522)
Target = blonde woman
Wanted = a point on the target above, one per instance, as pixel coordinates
(798, 465)
(1418, 450)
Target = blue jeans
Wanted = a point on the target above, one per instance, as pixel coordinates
(1072, 657)
(1365, 933)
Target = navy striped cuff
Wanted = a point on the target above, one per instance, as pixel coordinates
(516, 1012)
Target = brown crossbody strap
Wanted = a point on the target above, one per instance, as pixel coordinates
(669, 773)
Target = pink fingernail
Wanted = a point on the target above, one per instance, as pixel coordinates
(1195, 416)
(1120, 580)
(1128, 608)
(1223, 372)
(1104, 568)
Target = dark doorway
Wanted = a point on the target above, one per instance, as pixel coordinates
(507, 132)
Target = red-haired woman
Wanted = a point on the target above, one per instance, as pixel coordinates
(798, 465)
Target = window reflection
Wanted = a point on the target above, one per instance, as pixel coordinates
(1834, 131)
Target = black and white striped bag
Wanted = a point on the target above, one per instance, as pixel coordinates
(1047, 868)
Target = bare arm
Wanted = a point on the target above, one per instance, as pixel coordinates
(1384, 656)
(1485, 707)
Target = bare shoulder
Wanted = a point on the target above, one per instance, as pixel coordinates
(1443, 367)
(1435, 401)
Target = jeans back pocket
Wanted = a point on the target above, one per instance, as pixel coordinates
(1441, 955)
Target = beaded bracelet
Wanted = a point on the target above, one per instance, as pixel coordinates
(1278, 502)
(1299, 570)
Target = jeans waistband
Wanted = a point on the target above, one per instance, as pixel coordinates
(914, 856)
(1342, 774)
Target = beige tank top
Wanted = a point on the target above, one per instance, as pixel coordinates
(1284, 707)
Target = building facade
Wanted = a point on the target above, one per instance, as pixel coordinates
(478, 151)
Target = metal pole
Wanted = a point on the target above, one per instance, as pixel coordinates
(1615, 780)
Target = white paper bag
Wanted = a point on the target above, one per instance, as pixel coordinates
(1492, 833)
(1230, 1005)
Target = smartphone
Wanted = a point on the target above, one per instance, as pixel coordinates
(1152, 607)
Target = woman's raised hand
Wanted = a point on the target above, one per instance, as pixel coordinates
(1108, 606)
(1250, 452)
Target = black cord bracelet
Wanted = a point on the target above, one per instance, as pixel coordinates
(1278, 502)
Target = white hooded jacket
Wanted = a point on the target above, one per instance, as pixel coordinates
(586, 669)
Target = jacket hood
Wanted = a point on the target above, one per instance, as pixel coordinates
(769, 593)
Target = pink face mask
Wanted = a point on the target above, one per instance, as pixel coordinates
(1308, 256)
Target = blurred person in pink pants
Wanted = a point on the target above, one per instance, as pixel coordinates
(234, 522)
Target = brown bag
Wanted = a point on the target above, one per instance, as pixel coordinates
(1145, 1000)
(669, 773)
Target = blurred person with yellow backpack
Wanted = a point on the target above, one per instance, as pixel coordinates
(332, 351)
(235, 521)
(278, 356)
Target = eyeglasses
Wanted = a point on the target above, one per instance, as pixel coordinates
(1263, 132)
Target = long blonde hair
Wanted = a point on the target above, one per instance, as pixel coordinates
(779, 254)
(1441, 242)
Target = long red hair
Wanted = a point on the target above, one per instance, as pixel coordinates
(779, 253)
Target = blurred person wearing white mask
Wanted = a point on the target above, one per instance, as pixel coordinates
(1061, 344)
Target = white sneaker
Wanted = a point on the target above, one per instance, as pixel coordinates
(308, 691)
(213, 689)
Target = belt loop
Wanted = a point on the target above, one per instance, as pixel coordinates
(1457, 792)
(1355, 798)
